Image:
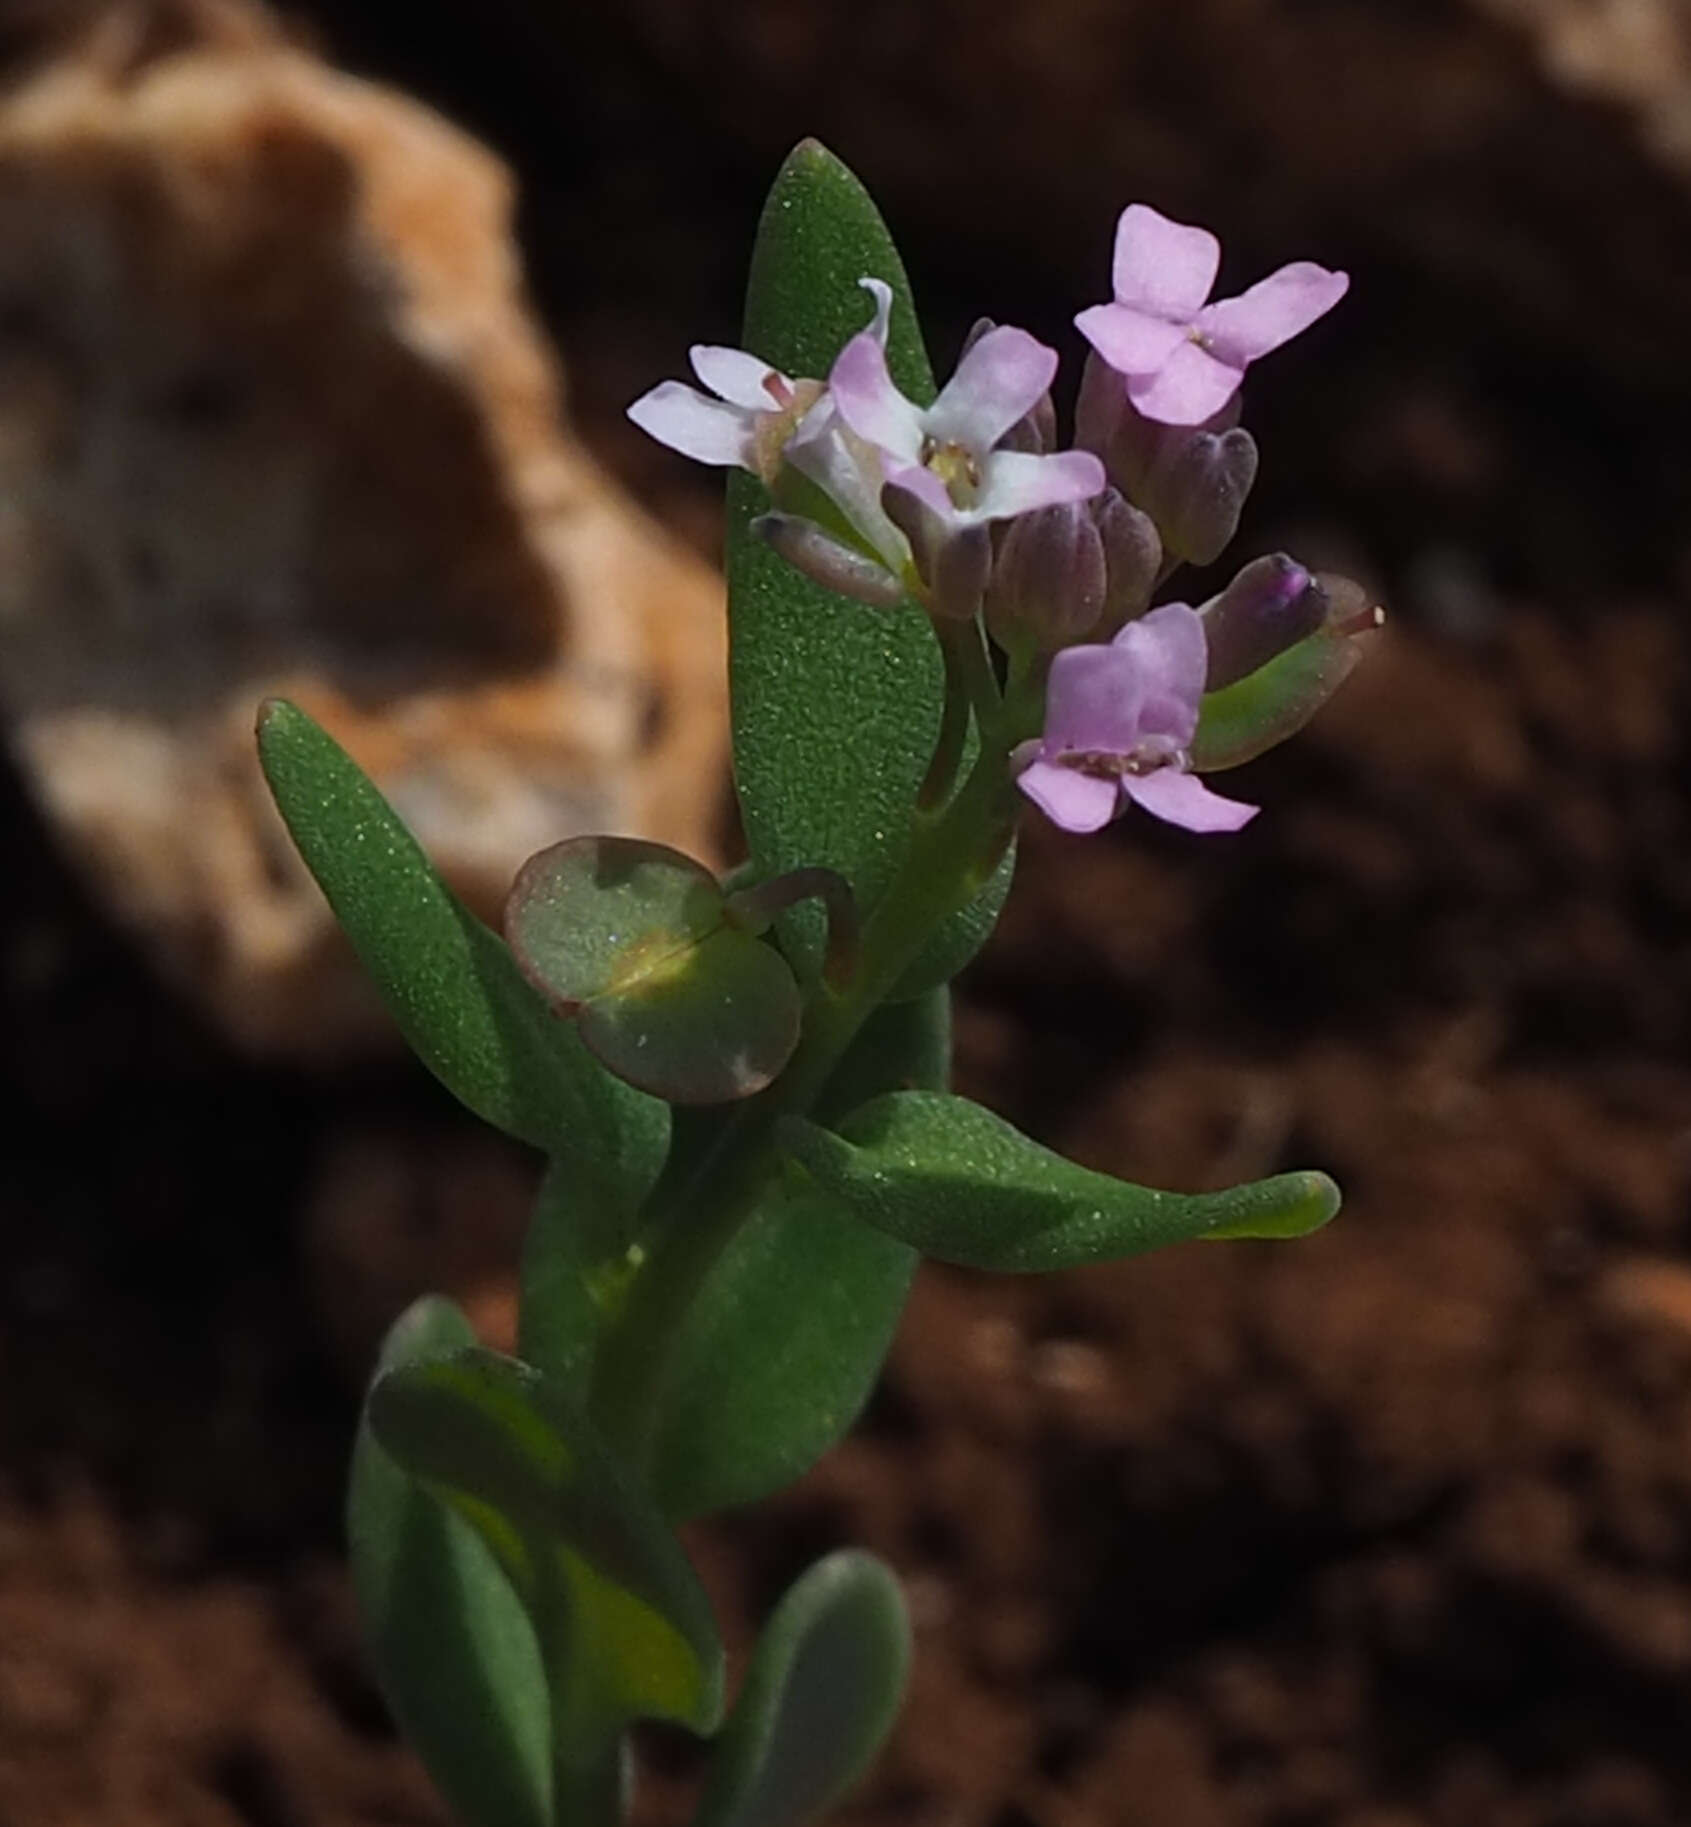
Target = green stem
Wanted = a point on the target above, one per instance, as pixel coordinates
(941, 776)
(951, 856)
(589, 1794)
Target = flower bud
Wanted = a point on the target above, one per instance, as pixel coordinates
(1133, 558)
(957, 581)
(1197, 494)
(825, 561)
(1269, 606)
(1098, 406)
(1048, 579)
(1264, 707)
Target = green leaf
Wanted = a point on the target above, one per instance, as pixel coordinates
(624, 1627)
(1245, 719)
(451, 984)
(835, 705)
(570, 1271)
(786, 1337)
(958, 1183)
(822, 1692)
(959, 938)
(595, 915)
(778, 1352)
(903, 1046)
(634, 940)
(452, 1645)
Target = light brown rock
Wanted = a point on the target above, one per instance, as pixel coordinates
(275, 417)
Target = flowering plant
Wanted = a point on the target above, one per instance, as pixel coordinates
(938, 620)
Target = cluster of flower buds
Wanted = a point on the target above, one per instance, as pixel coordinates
(968, 508)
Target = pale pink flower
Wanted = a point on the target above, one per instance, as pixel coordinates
(1183, 358)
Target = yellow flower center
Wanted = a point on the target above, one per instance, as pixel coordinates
(956, 467)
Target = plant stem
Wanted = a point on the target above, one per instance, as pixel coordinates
(951, 855)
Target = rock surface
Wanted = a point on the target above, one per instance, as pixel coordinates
(274, 417)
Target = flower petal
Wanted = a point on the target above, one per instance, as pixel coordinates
(1190, 387)
(926, 487)
(849, 472)
(999, 380)
(737, 376)
(1077, 802)
(880, 325)
(1132, 342)
(1161, 266)
(1092, 702)
(870, 404)
(1272, 312)
(707, 430)
(1169, 656)
(1016, 482)
(1182, 799)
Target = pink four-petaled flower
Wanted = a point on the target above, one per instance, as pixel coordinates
(1183, 358)
(1119, 720)
(946, 454)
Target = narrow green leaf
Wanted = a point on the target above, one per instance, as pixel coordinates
(788, 1333)
(451, 984)
(822, 1692)
(958, 1183)
(835, 705)
(452, 1645)
(779, 1351)
(625, 1629)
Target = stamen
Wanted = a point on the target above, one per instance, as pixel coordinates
(1362, 621)
(955, 466)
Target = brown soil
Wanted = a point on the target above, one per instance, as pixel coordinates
(1387, 1528)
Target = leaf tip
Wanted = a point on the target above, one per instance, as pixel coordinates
(1322, 1199)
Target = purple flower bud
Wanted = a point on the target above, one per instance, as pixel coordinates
(982, 326)
(825, 561)
(1133, 558)
(1048, 579)
(1275, 701)
(1272, 604)
(1098, 407)
(960, 570)
(1196, 496)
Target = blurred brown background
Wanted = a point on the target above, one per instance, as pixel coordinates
(1389, 1528)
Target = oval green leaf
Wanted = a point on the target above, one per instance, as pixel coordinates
(714, 1024)
(822, 1692)
(632, 938)
(593, 916)
(452, 1645)
(451, 984)
(960, 1184)
(624, 1627)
